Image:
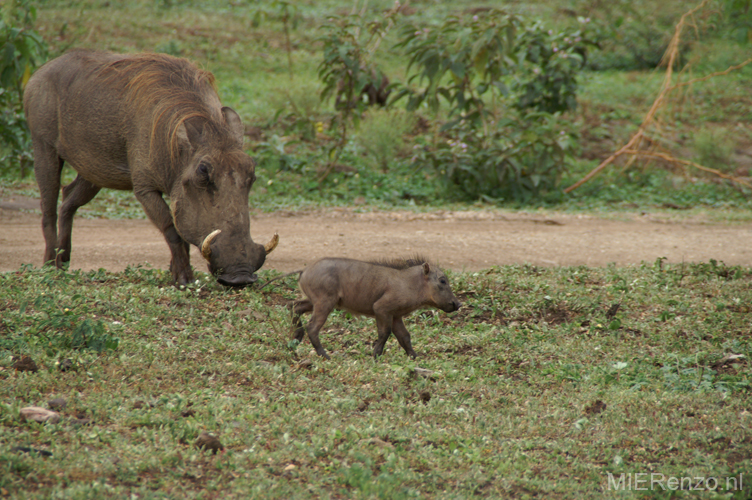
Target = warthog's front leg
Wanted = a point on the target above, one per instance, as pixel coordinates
(159, 213)
(321, 311)
(403, 336)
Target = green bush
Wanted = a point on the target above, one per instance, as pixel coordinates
(713, 147)
(21, 49)
(381, 134)
(503, 81)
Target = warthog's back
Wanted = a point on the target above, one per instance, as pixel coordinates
(106, 113)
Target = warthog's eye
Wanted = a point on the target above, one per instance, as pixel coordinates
(443, 281)
(203, 169)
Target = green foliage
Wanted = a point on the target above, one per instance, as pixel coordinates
(56, 322)
(21, 49)
(346, 70)
(634, 34)
(523, 159)
(480, 65)
(288, 14)
(739, 16)
(713, 147)
(381, 134)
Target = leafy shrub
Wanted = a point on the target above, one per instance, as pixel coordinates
(739, 17)
(347, 70)
(57, 328)
(299, 109)
(714, 147)
(634, 34)
(21, 49)
(522, 159)
(381, 134)
(485, 67)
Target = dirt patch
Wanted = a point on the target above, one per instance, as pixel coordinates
(466, 240)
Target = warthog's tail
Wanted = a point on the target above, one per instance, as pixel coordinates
(298, 272)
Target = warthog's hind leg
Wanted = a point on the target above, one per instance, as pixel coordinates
(76, 194)
(300, 307)
(47, 168)
(321, 311)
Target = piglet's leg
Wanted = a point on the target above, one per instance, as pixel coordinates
(300, 307)
(403, 336)
(384, 325)
(321, 311)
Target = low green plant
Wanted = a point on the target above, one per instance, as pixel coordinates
(713, 147)
(381, 133)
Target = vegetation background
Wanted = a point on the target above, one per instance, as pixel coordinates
(546, 382)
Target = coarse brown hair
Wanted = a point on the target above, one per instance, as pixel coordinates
(173, 90)
(401, 263)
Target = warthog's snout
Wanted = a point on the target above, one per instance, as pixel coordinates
(237, 279)
(452, 306)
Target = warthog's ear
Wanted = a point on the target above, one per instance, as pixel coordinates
(235, 123)
(426, 268)
(189, 134)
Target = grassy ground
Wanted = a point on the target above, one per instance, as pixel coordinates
(536, 390)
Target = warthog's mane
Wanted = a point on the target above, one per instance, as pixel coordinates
(172, 90)
(402, 262)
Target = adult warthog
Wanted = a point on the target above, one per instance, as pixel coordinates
(153, 124)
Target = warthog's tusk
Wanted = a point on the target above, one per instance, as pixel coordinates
(272, 244)
(205, 246)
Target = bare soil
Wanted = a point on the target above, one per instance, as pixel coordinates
(464, 240)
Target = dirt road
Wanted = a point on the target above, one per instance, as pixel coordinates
(468, 240)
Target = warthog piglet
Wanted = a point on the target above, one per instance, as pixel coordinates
(386, 290)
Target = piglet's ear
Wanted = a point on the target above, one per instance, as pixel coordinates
(426, 268)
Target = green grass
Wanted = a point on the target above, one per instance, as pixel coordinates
(520, 376)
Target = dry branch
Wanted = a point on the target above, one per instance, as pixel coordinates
(633, 146)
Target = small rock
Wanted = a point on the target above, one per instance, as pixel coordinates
(422, 372)
(290, 467)
(595, 407)
(80, 421)
(304, 363)
(363, 406)
(57, 404)
(380, 443)
(41, 415)
(25, 364)
(138, 404)
(66, 365)
(208, 441)
(187, 413)
(425, 396)
(26, 449)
